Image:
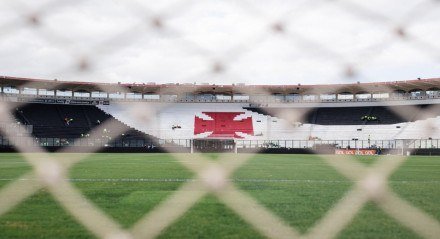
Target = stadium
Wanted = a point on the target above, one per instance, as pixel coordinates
(396, 118)
(369, 120)
(219, 119)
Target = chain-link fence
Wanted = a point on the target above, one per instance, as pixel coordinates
(253, 36)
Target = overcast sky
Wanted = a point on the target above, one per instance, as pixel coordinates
(221, 41)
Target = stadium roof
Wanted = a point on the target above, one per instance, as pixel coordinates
(352, 88)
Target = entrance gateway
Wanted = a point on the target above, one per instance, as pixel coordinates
(214, 145)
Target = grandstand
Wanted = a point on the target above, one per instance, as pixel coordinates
(174, 190)
(288, 118)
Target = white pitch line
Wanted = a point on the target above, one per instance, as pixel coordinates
(230, 180)
(256, 165)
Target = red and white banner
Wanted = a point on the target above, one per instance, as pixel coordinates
(356, 151)
(224, 125)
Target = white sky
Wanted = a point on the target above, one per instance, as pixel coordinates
(320, 39)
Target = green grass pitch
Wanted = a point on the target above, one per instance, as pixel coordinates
(300, 189)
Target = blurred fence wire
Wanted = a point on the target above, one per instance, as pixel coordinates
(79, 39)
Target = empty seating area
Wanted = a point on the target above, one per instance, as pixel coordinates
(40, 115)
(49, 121)
(341, 116)
(350, 115)
(77, 113)
(177, 121)
(238, 121)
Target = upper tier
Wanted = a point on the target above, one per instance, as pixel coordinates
(420, 89)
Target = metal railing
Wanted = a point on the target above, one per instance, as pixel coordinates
(240, 143)
(256, 101)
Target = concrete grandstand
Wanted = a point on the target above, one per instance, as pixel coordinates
(288, 118)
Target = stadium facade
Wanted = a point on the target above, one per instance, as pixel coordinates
(392, 117)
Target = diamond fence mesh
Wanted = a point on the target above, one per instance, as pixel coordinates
(145, 21)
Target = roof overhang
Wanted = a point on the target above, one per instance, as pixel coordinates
(406, 86)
